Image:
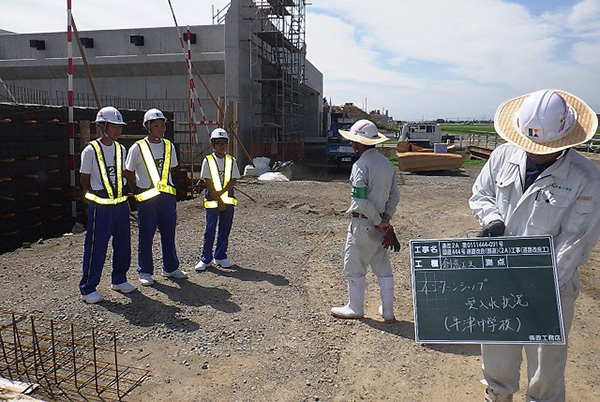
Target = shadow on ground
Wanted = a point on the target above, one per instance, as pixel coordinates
(244, 274)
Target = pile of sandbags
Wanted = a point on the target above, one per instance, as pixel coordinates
(282, 171)
(261, 165)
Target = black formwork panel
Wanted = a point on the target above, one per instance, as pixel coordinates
(34, 173)
(35, 187)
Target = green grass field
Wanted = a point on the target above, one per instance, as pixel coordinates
(466, 128)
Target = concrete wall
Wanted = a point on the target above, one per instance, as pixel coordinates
(155, 70)
(313, 101)
(224, 55)
(239, 84)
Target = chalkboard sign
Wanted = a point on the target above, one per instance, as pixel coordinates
(486, 290)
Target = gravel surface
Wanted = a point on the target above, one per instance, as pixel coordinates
(261, 330)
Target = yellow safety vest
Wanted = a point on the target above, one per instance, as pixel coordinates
(160, 183)
(112, 198)
(214, 174)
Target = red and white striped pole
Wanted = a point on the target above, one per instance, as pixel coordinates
(191, 86)
(73, 193)
(188, 63)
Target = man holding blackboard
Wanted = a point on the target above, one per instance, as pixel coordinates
(374, 198)
(536, 184)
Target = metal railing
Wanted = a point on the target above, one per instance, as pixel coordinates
(485, 139)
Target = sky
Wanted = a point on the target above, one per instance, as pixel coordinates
(417, 59)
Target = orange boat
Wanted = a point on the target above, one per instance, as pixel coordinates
(412, 158)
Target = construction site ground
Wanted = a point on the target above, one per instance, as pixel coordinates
(262, 330)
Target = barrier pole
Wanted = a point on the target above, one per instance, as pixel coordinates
(71, 124)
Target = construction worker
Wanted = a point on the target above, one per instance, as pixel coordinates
(536, 184)
(220, 173)
(103, 185)
(374, 199)
(151, 159)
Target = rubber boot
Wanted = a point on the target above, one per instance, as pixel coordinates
(493, 396)
(356, 300)
(386, 288)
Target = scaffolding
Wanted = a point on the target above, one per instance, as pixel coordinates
(279, 41)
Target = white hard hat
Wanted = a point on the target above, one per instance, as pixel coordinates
(109, 114)
(153, 114)
(544, 116)
(364, 132)
(218, 133)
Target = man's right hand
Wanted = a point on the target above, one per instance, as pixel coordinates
(493, 229)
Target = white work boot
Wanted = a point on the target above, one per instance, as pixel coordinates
(92, 298)
(493, 396)
(386, 288)
(356, 300)
(223, 263)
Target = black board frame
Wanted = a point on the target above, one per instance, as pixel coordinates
(455, 299)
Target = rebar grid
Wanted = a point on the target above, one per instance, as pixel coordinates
(67, 360)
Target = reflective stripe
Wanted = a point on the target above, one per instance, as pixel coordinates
(104, 201)
(112, 199)
(160, 183)
(214, 173)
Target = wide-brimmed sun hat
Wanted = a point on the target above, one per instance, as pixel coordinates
(365, 132)
(546, 121)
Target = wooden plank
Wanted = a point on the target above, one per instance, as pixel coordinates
(479, 152)
(427, 161)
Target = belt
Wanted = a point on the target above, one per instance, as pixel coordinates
(357, 215)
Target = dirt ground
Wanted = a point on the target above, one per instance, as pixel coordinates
(262, 331)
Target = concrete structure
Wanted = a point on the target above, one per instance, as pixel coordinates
(255, 59)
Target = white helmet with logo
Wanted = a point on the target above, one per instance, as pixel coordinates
(364, 132)
(218, 133)
(109, 114)
(153, 114)
(544, 116)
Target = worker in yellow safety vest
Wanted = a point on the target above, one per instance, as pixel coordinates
(148, 171)
(220, 173)
(103, 185)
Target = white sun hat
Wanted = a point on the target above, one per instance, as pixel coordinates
(365, 132)
(546, 121)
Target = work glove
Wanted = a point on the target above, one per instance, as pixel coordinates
(390, 241)
(493, 229)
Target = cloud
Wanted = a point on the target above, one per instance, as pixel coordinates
(584, 17)
(465, 52)
(419, 59)
(51, 16)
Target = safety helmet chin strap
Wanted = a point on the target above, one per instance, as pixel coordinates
(104, 131)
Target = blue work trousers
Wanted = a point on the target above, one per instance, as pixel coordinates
(224, 219)
(105, 221)
(157, 212)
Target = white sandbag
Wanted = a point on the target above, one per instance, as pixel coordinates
(261, 165)
(273, 176)
(250, 170)
(256, 170)
(261, 160)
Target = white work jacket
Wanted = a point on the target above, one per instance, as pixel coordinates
(375, 192)
(564, 201)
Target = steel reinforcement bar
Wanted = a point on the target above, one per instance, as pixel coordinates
(64, 359)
